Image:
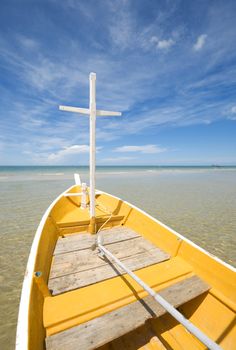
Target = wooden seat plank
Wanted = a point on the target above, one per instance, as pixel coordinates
(110, 326)
(103, 271)
(86, 259)
(75, 269)
(120, 290)
(86, 240)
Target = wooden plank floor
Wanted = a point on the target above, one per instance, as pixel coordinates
(112, 325)
(76, 265)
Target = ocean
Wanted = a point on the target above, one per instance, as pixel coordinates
(198, 202)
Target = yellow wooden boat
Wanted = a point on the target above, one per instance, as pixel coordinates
(117, 278)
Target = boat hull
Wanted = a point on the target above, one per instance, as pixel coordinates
(214, 314)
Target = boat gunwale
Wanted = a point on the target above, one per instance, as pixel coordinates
(231, 267)
(23, 314)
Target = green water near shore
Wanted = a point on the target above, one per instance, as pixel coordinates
(198, 202)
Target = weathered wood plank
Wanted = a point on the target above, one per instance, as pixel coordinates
(102, 270)
(79, 268)
(104, 329)
(72, 262)
(86, 240)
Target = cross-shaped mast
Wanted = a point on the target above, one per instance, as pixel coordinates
(93, 112)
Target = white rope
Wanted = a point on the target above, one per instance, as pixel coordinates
(167, 306)
(99, 236)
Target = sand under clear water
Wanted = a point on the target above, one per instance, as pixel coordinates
(199, 203)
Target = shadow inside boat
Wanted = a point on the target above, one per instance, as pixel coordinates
(155, 327)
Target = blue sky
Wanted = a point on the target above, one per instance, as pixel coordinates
(169, 66)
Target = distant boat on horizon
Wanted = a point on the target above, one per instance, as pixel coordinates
(216, 166)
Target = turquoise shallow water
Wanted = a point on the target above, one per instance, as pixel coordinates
(198, 202)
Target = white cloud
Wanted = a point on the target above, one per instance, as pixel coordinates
(27, 43)
(142, 149)
(162, 44)
(200, 42)
(121, 27)
(117, 159)
(70, 150)
(165, 44)
(233, 110)
(232, 115)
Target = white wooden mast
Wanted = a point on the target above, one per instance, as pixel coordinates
(92, 161)
(93, 112)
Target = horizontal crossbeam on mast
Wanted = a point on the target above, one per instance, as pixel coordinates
(86, 111)
(75, 109)
(107, 113)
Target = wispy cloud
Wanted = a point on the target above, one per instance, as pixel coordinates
(201, 40)
(164, 44)
(232, 113)
(145, 78)
(142, 149)
(121, 30)
(233, 110)
(27, 42)
(70, 150)
(117, 160)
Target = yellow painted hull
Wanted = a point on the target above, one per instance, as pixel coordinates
(42, 315)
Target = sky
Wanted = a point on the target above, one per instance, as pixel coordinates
(168, 66)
